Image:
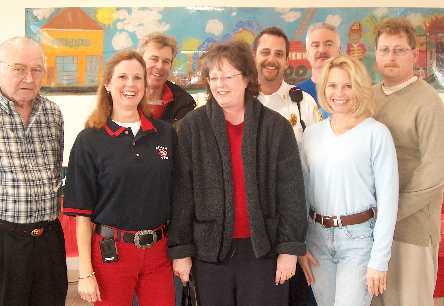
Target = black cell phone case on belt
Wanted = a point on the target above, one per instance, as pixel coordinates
(108, 250)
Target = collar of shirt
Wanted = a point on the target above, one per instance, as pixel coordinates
(282, 92)
(8, 105)
(114, 130)
(5, 104)
(134, 126)
(388, 90)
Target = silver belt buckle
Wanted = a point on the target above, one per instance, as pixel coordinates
(337, 222)
(323, 218)
(139, 234)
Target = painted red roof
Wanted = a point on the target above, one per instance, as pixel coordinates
(72, 18)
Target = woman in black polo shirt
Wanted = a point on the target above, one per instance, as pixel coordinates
(118, 187)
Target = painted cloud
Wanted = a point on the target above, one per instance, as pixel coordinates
(121, 40)
(288, 15)
(381, 11)
(334, 20)
(42, 13)
(214, 27)
(141, 21)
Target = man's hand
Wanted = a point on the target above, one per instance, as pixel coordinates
(285, 268)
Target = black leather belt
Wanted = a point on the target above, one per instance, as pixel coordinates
(338, 221)
(28, 229)
(142, 239)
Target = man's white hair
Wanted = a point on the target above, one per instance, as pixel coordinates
(16, 43)
(319, 26)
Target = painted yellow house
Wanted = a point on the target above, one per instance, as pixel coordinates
(73, 46)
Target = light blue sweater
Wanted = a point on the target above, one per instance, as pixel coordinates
(352, 172)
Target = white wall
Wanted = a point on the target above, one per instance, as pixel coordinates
(75, 108)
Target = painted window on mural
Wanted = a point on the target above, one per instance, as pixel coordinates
(66, 70)
(92, 69)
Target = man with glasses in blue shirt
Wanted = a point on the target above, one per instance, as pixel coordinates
(414, 113)
(32, 249)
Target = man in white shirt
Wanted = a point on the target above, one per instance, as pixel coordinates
(271, 48)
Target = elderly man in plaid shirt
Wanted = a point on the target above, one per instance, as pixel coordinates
(32, 251)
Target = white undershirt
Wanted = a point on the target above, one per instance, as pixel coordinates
(388, 90)
(134, 126)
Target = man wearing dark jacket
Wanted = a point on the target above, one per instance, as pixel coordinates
(166, 100)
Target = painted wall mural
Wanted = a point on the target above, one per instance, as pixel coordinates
(78, 41)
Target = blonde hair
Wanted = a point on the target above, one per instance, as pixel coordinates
(161, 39)
(364, 103)
(104, 106)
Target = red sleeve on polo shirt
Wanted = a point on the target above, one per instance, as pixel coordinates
(241, 220)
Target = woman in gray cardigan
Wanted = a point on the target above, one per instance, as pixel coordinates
(239, 216)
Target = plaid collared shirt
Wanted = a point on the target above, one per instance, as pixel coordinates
(30, 162)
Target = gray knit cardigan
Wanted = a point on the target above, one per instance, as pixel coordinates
(202, 210)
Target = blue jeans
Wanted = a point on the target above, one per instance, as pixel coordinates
(343, 254)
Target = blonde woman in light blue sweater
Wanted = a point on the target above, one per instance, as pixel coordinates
(351, 174)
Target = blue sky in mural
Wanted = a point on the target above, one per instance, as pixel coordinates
(218, 23)
(196, 27)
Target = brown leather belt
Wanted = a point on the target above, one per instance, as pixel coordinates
(338, 221)
(142, 239)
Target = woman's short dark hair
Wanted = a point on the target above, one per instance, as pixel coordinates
(239, 55)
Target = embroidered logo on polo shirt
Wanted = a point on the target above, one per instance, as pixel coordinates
(162, 151)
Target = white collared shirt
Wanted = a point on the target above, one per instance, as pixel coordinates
(280, 102)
